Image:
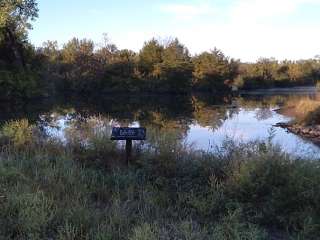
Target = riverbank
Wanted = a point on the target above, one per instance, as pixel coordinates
(281, 90)
(311, 133)
(306, 119)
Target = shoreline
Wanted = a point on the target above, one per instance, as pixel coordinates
(281, 90)
(311, 133)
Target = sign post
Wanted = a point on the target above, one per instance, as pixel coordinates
(128, 134)
(128, 150)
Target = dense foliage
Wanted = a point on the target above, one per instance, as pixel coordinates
(18, 77)
(81, 66)
(55, 190)
(272, 73)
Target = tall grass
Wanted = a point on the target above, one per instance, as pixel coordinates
(305, 111)
(307, 105)
(312, 118)
(242, 191)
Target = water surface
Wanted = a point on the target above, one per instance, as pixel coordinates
(203, 121)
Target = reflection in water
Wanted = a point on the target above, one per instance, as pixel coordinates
(203, 120)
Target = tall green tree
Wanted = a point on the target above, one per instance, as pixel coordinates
(175, 70)
(174, 51)
(81, 70)
(213, 70)
(124, 64)
(150, 55)
(15, 18)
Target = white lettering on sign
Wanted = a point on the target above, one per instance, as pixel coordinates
(127, 132)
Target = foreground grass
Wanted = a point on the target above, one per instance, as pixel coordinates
(49, 190)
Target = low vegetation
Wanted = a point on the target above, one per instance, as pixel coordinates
(313, 117)
(305, 112)
(80, 190)
(309, 111)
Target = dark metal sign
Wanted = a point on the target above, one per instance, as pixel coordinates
(127, 133)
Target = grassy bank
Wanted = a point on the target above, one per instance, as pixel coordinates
(80, 190)
(311, 112)
(305, 112)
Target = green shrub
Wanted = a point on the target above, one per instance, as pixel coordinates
(24, 84)
(276, 191)
(232, 227)
(90, 142)
(19, 132)
(27, 215)
(242, 191)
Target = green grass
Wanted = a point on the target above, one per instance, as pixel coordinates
(49, 190)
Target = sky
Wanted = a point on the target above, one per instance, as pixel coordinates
(242, 29)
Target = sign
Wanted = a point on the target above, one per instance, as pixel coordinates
(126, 133)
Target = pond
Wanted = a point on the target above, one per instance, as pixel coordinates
(200, 121)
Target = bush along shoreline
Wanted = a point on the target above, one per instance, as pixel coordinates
(70, 190)
(306, 119)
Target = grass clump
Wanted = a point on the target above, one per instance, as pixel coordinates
(312, 118)
(309, 111)
(306, 112)
(231, 227)
(19, 132)
(242, 191)
(307, 105)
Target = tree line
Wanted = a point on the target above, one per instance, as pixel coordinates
(83, 67)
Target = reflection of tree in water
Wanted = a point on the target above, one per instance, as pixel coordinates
(170, 117)
(162, 115)
(166, 116)
(73, 127)
(251, 102)
(254, 102)
(88, 131)
(51, 119)
(207, 115)
(263, 113)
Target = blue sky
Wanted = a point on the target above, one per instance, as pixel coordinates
(244, 29)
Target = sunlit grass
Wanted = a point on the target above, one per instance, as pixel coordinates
(304, 111)
(306, 106)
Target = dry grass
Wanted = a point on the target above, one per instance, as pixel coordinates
(306, 106)
(301, 110)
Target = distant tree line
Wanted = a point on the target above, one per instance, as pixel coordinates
(267, 73)
(159, 67)
(83, 67)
